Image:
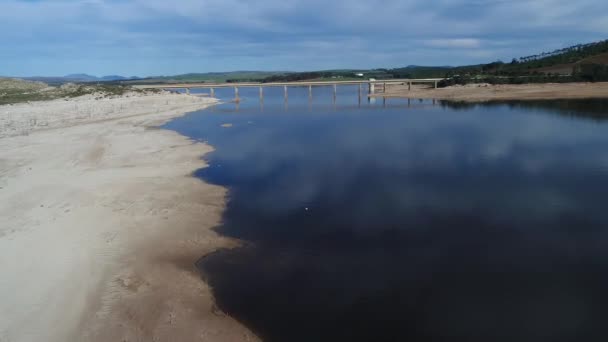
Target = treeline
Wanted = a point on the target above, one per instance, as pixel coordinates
(468, 79)
(567, 55)
(592, 72)
(330, 74)
(294, 77)
(382, 74)
(583, 73)
(242, 80)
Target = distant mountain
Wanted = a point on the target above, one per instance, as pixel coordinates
(81, 77)
(48, 80)
(113, 78)
(90, 78)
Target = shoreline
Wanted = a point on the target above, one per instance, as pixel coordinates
(501, 92)
(101, 222)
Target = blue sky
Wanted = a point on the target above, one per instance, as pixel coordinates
(160, 37)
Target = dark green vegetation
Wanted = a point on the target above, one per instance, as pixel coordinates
(411, 71)
(16, 91)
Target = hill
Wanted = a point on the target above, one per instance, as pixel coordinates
(81, 77)
(14, 90)
(569, 68)
(561, 61)
(572, 56)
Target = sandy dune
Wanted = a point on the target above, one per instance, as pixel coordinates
(100, 224)
(486, 92)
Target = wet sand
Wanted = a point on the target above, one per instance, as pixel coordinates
(487, 92)
(101, 223)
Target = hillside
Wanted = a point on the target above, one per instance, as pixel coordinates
(568, 68)
(17, 90)
(562, 61)
(589, 53)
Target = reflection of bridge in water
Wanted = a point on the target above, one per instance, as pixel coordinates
(373, 86)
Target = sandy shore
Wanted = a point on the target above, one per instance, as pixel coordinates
(101, 222)
(486, 92)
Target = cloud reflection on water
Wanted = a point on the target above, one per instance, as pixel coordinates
(426, 224)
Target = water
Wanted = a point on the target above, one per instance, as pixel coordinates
(410, 221)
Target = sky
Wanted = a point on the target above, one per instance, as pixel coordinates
(162, 37)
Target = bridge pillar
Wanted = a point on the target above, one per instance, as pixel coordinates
(335, 92)
(212, 92)
(372, 88)
(310, 92)
(285, 90)
(384, 87)
(261, 94)
(435, 84)
(236, 93)
(409, 85)
(188, 91)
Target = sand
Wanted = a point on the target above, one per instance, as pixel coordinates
(101, 223)
(486, 92)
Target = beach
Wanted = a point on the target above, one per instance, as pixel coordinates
(101, 223)
(488, 92)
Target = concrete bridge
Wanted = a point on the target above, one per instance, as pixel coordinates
(370, 84)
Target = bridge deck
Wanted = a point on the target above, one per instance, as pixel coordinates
(284, 84)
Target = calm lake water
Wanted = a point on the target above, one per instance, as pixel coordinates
(409, 221)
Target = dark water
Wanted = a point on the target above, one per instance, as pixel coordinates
(410, 221)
